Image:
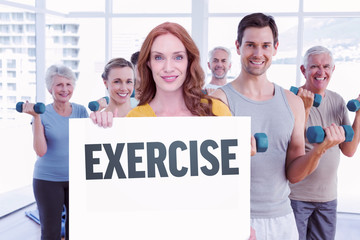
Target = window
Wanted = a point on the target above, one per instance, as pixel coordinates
(70, 52)
(4, 28)
(13, 82)
(11, 74)
(11, 100)
(333, 6)
(11, 86)
(79, 40)
(5, 40)
(31, 64)
(231, 6)
(11, 63)
(140, 6)
(56, 40)
(27, 2)
(17, 28)
(31, 40)
(71, 64)
(128, 39)
(5, 16)
(31, 52)
(30, 28)
(17, 40)
(84, 53)
(17, 16)
(30, 16)
(71, 28)
(70, 40)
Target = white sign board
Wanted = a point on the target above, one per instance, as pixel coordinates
(160, 178)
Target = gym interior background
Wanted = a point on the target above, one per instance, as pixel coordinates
(84, 35)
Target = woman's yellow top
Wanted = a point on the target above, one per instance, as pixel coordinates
(219, 109)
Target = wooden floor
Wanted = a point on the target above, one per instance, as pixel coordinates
(348, 226)
(15, 200)
(15, 225)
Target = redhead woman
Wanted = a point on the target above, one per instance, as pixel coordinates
(51, 144)
(172, 79)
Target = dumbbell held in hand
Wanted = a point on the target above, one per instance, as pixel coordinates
(262, 142)
(316, 134)
(353, 105)
(38, 107)
(317, 97)
(95, 105)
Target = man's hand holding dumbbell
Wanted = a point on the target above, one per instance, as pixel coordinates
(259, 143)
(309, 98)
(354, 104)
(329, 136)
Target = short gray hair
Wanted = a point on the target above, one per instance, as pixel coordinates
(58, 70)
(314, 51)
(211, 53)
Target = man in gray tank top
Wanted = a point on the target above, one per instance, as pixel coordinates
(314, 199)
(281, 115)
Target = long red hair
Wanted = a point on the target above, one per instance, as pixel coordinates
(195, 76)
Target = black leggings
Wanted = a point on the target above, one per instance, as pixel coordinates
(51, 198)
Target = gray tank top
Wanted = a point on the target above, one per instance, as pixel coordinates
(269, 186)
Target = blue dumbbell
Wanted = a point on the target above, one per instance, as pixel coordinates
(353, 105)
(316, 134)
(317, 97)
(262, 142)
(38, 107)
(94, 105)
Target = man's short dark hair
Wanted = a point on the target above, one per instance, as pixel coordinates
(258, 20)
(134, 58)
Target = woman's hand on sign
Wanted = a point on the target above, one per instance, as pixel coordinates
(103, 119)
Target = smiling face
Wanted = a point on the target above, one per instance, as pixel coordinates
(256, 50)
(318, 72)
(219, 64)
(62, 89)
(168, 63)
(120, 84)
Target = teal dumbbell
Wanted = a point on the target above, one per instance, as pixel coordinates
(38, 107)
(262, 142)
(353, 105)
(317, 97)
(316, 134)
(94, 105)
